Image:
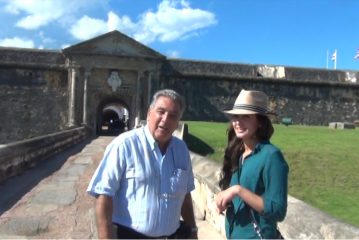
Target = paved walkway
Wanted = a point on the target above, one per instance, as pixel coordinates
(59, 207)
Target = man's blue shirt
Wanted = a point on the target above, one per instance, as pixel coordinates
(147, 187)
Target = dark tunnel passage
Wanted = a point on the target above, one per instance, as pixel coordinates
(114, 120)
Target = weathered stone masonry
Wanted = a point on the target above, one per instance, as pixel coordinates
(42, 92)
(308, 96)
(33, 94)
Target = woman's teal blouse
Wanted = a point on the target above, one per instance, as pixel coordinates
(264, 172)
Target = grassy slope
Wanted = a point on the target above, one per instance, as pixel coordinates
(323, 163)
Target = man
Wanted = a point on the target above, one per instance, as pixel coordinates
(144, 181)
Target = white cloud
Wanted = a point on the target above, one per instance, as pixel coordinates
(45, 39)
(173, 20)
(65, 45)
(123, 23)
(11, 9)
(88, 27)
(173, 54)
(40, 12)
(33, 21)
(17, 42)
(82, 31)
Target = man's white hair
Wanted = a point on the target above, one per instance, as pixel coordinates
(176, 97)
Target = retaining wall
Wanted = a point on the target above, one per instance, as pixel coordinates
(18, 156)
(307, 96)
(33, 102)
(302, 221)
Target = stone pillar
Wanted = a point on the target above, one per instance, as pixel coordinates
(72, 76)
(84, 117)
(138, 94)
(149, 89)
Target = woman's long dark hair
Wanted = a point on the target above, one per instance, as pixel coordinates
(235, 148)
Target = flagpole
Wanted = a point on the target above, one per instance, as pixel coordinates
(335, 60)
(327, 57)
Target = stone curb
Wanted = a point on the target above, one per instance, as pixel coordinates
(302, 221)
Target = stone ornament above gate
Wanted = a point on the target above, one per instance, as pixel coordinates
(114, 81)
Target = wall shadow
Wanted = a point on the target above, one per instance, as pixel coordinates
(198, 146)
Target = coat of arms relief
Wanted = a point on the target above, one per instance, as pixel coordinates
(114, 81)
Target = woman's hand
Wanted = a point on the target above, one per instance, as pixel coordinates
(225, 197)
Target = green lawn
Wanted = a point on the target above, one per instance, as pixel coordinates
(324, 163)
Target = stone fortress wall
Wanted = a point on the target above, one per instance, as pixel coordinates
(308, 96)
(35, 91)
(33, 94)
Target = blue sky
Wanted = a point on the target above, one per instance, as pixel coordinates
(272, 32)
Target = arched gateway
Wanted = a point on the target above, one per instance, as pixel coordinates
(111, 79)
(112, 117)
(93, 82)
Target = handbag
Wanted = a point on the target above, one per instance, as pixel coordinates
(257, 229)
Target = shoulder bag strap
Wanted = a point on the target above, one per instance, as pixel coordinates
(256, 227)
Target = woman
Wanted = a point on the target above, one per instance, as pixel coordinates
(254, 180)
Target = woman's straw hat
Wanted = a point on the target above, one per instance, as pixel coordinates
(250, 102)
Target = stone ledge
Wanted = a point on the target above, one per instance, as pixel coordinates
(19, 156)
(302, 221)
(341, 125)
